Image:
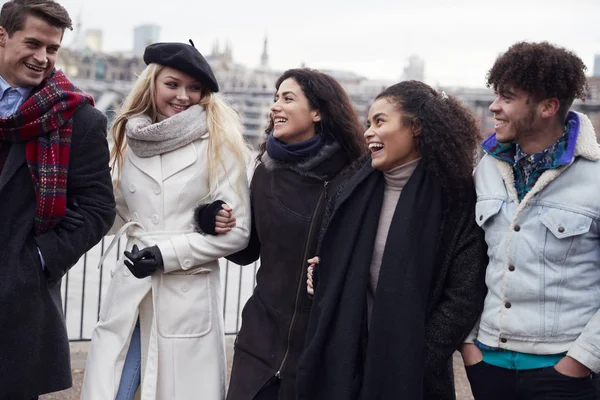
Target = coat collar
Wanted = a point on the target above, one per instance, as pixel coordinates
(587, 142)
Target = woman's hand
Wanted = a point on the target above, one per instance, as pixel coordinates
(214, 218)
(224, 220)
(312, 263)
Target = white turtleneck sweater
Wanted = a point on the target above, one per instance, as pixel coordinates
(395, 180)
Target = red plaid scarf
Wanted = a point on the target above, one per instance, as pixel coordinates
(44, 121)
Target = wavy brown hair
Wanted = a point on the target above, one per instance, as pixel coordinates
(449, 134)
(339, 119)
(543, 70)
(14, 13)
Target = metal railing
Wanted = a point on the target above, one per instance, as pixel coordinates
(85, 285)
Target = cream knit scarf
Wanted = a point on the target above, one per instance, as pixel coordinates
(147, 139)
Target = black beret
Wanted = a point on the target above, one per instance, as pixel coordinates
(184, 58)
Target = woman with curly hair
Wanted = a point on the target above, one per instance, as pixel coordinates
(402, 261)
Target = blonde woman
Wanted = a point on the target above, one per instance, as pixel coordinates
(177, 144)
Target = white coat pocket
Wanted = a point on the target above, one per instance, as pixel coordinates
(184, 305)
(108, 299)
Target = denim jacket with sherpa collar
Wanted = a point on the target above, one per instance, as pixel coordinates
(543, 276)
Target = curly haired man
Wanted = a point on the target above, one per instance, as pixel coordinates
(537, 201)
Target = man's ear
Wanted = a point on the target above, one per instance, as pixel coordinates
(3, 36)
(550, 107)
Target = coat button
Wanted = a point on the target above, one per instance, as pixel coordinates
(507, 305)
(135, 217)
(185, 287)
(561, 229)
(187, 263)
(156, 189)
(503, 340)
(511, 268)
(155, 219)
(481, 217)
(132, 188)
(517, 228)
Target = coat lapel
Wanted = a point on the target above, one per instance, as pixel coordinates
(148, 165)
(14, 161)
(175, 161)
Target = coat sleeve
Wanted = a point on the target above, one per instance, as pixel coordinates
(89, 184)
(252, 252)
(586, 348)
(187, 250)
(464, 291)
(123, 214)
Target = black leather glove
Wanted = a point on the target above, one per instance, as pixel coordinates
(143, 262)
(204, 216)
(71, 221)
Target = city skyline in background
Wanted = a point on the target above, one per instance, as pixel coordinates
(457, 43)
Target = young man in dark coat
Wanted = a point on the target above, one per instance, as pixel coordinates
(55, 195)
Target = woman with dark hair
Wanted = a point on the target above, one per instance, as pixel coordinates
(402, 260)
(313, 135)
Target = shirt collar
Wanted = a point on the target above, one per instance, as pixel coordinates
(4, 86)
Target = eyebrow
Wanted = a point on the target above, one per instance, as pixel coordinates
(507, 92)
(379, 114)
(286, 93)
(36, 41)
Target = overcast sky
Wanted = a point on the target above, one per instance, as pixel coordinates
(374, 38)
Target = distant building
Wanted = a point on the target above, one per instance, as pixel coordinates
(93, 40)
(264, 58)
(415, 70)
(110, 77)
(144, 35)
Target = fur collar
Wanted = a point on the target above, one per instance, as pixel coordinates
(587, 143)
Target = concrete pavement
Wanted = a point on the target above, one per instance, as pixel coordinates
(79, 354)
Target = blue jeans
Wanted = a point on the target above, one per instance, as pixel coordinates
(132, 373)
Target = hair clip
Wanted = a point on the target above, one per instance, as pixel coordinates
(192, 43)
(443, 95)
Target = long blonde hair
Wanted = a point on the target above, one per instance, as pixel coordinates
(223, 123)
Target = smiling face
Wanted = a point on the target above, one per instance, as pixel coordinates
(293, 119)
(515, 114)
(29, 55)
(389, 136)
(176, 92)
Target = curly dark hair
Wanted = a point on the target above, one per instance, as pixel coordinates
(449, 134)
(543, 70)
(339, 118)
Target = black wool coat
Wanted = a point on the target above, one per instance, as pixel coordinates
(338, 342)
(288, 201)
(34, 347)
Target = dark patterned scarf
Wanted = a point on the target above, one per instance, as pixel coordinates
(44, 122)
